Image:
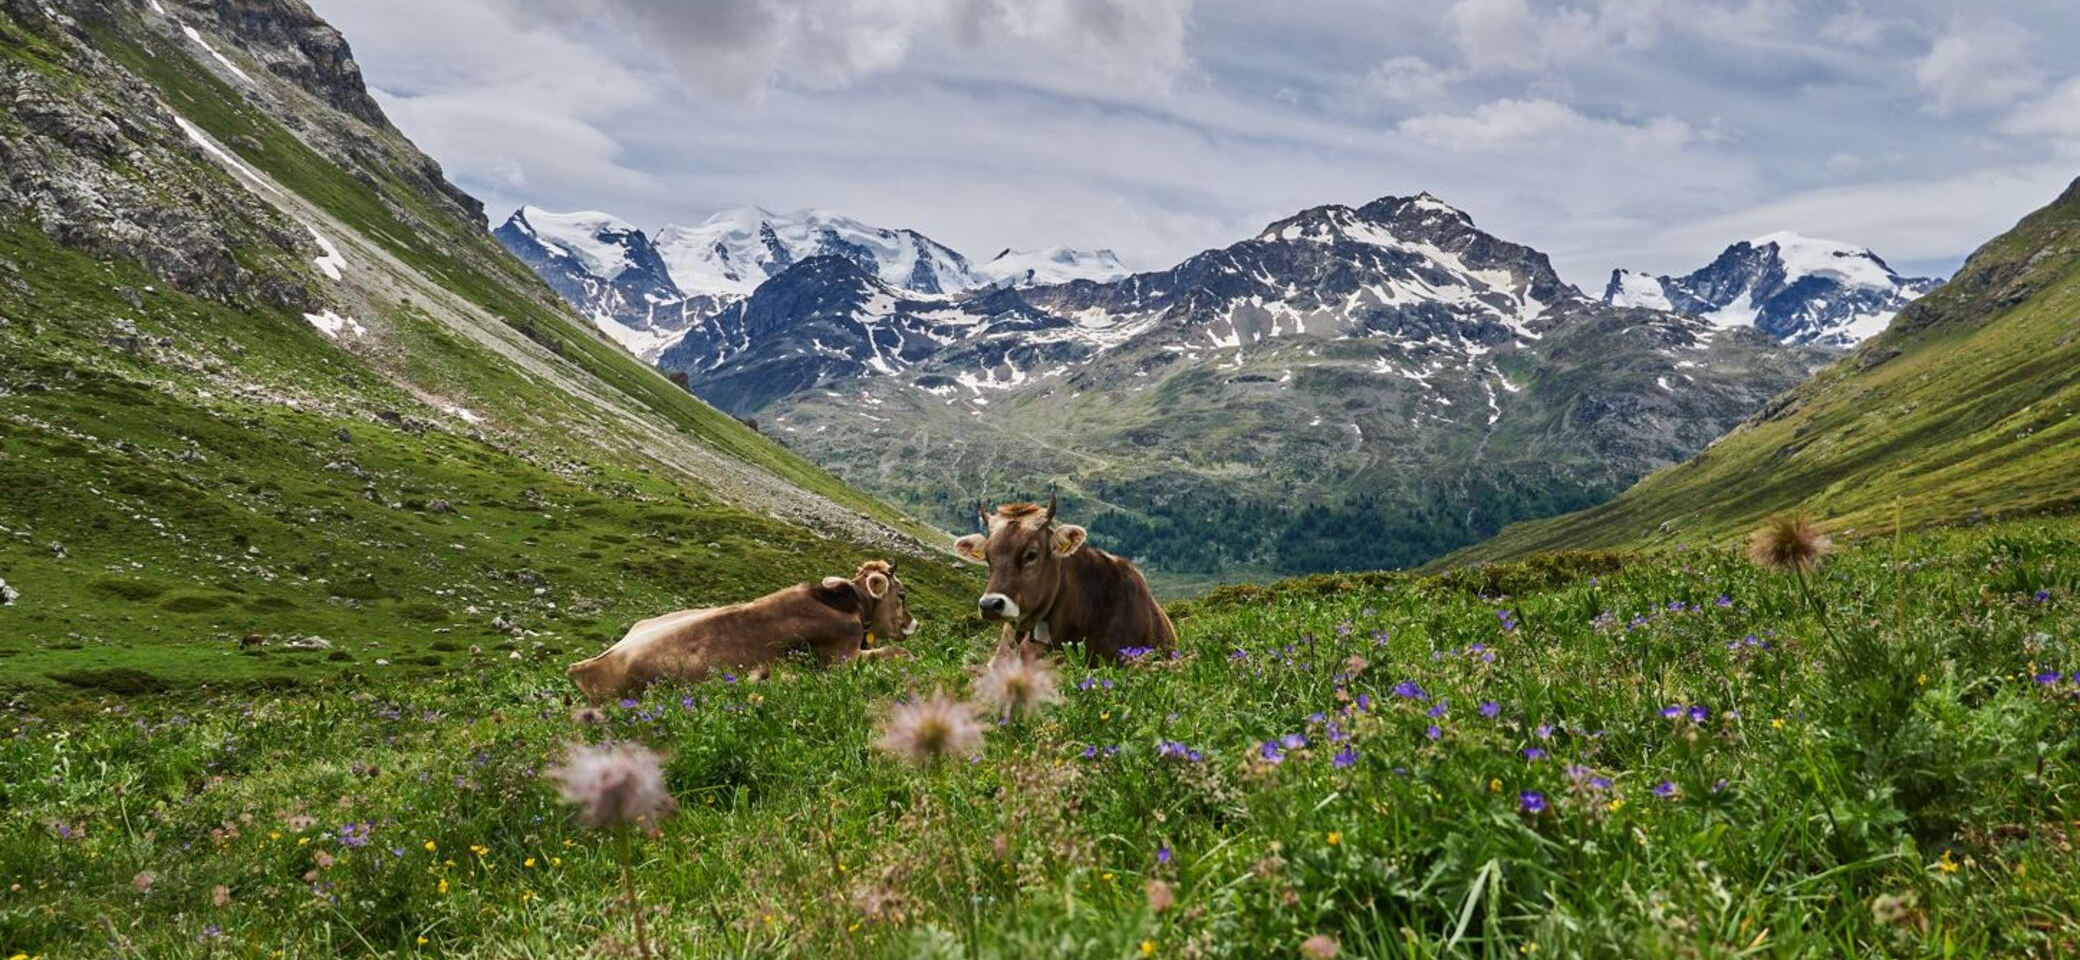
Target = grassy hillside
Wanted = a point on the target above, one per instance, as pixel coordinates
(187, 464)
(1609, 758)
(1964, 408)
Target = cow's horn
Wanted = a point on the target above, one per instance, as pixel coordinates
(981, 513)
(1051, 498)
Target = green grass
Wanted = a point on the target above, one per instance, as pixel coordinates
(1965, 407)
(1900, 749)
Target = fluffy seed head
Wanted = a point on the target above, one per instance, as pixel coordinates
(1018, 686)
(1321, 946)
(1789, 543)
(924, 732)
(615, 785)
(1159, 896)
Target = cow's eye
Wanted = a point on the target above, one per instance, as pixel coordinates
(1032, 556)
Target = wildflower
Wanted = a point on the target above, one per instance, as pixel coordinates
(1175, 750)
(1723, 602)
(1948, 865)
(442, 887)
(1335, 838)
(431, 846)
(1890, 908)
(1434, 732)
(528, 863)
(1534, 754)
(1494, 786)
(142, 883)
(1616, 804)
(2048, 677)
(923, 732)
(1163, 854)
(1491, 709)
(1543, 731)
(1159, 896)
(1665, 790)
(1673, 711)
(1409, 690)
(1789, 543)
(1292, 741)
(220, 896)
(1531, 802)
(1321, 946)
(354, 835)
(1148, 948)
(615, 785)
(1699, 714)
(1018, 686)
(1271, 753)
(2043, 596)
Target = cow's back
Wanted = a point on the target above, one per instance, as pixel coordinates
(1113, 606)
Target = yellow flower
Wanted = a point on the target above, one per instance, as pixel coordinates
(529, 863)
(479, 849)
(443, 888)
(526, 895)
(1104, 714)
(1495, 786)
(431, 846)
(1148, 948)
(1529, 947)
(556, 861)
(1777, 724)
(1921, 680)
(422, 941)
(1616, 804)
(1335, 837)
(274, 834)
(301, 841)
(1108, 876)
(1946, 864)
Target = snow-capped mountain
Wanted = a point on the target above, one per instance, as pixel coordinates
(734, 251)
(606, 268)
(1798, 289)
(1032, 268)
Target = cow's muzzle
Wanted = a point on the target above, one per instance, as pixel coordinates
(996, 606)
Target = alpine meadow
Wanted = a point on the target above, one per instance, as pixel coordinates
(1223, 526)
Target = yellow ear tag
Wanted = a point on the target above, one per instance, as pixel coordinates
(869, 642)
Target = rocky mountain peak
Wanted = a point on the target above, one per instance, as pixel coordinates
(1799, 289)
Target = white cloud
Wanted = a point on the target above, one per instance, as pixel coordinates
(743, 47)
(2055, 116)
(1408, 79)
(1511, 35)
(1984, 65)
(1512, 124)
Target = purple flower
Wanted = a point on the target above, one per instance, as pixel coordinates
(2048, 677)
(1723, 601)
(1344, 757)
(1135, 653)
(1491, 709)
(1292, 741)
(1544, 731)
(628, 703)
(1438, 710)
(1719, 785)
(354, 835)
(1531, 802)
(687, 703)
(729, 678)
(1434, 732)
(1271, 753)
(2043, 596)
(209, 933)
(1699, 714)
(1090, 752)
(1673, 711)
(1175, 750)
(1409, 689)
(1163, 854)
(1665, 789)
(1239, 654)
(1364, 702)
(1534, 754)
(1343, 629)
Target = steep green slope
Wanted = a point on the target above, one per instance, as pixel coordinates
(1964, 408)
(187, 460)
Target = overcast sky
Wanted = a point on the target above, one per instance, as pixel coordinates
(1637, 133)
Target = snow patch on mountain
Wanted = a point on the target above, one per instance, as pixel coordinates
(1032, 268)
(1800, 289)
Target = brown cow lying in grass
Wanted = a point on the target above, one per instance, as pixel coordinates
(1049, 589)
(837, 619)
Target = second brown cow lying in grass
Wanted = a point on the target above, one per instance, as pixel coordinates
(835, 619)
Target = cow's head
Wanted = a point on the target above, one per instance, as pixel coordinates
(885, 600)
(1024, 549)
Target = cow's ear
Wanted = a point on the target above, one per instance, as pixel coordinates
(1068, 538)
(877, 584)
(836, 583)
(971, 546)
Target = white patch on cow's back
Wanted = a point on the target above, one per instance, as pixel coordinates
(649, 631)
